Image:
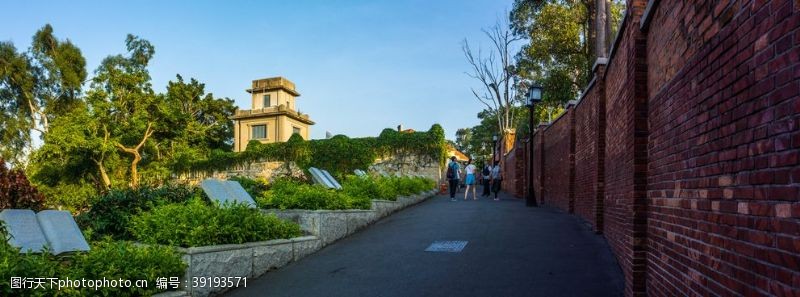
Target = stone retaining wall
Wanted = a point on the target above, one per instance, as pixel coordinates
(254, 259)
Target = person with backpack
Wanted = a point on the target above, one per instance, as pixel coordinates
(486, 176)
(453, 174)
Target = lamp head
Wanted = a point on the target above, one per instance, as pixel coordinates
(534, 95)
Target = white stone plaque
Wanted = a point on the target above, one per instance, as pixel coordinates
(332, 180)
(320, 178)
(227, 192)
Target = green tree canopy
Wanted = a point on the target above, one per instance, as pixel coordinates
(35, 87)
(560, 51)
(102, 139)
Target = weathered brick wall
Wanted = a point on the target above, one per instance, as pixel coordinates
(687, 149)
(557, 186)
(589, 150)
(538, 163)
(724, 180)
(622, 199)
(513, 167)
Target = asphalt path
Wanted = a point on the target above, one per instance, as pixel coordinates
(511, 250)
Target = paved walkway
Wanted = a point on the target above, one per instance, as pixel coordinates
(512, 251)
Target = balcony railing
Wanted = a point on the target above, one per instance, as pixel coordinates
(267, 110)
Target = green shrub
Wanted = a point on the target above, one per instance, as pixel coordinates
(75, 197)
(369, 188)
(14, 264)
(111, 213)
(389, 187)
(287, 194)
(112, 260)
(127, 261)
(197, 223)
(411, 185)
(254, 187)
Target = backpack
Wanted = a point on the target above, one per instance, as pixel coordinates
(486, 171)
(451, 172)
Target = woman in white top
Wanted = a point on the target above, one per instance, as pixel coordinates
(470, 180)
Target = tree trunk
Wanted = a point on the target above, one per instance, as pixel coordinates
(602, 19)
(591, 34)
(135, 169)
(136, 155)
(608, 27)
(103, 174)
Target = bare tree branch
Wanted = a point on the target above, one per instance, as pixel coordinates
(495, 72)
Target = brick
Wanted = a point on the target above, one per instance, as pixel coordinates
(783, 210)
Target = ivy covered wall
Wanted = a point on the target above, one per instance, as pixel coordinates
(340, 155)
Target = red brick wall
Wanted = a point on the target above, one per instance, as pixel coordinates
(589, 153)
(723, 171)
(686, 150)
(514, 166)
(624, 201)
(557, 186)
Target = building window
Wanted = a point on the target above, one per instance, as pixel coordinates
(295, 130)
(267, 101)
(258, 132)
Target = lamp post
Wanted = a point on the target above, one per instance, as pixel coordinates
(534, 96)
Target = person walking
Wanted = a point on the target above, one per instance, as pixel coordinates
(486, 176)
(470, 180)
(497, 179)
(453, 174)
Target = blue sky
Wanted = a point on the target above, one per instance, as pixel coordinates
(360, 66)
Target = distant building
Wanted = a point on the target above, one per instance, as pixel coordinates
(273, 117)
(454, 152)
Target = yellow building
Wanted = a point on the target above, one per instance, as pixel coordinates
(273, 117)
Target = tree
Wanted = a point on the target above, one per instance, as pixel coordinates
(123, 100)
(562, 45)
(463, 140)
(196, 123)
(60, 71)
(35, 87)
(496, 73)
(16, 89)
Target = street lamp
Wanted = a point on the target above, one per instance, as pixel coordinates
(534, 96)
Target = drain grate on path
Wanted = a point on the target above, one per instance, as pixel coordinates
(447, 246)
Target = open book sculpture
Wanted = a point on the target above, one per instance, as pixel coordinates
(55, 230)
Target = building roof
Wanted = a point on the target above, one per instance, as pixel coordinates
(273, 83)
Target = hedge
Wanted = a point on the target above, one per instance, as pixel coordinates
(356, 193)
(197, 223)
(288, 194)
(106, 259)
(111, 213)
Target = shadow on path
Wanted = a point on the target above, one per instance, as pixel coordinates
(512, 251)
